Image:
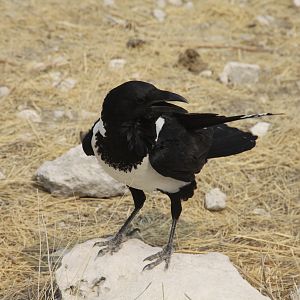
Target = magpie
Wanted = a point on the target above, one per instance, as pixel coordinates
(149, 143)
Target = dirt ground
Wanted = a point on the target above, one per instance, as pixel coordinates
(46, 44)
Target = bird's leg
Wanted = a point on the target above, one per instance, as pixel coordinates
(165, 254)
(114, 244)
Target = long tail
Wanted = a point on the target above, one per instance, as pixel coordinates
(229, 141)
(194, 121)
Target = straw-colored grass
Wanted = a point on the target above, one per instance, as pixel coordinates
(265, 249)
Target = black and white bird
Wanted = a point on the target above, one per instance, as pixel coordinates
(150, 144)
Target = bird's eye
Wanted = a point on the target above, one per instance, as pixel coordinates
(140, 100)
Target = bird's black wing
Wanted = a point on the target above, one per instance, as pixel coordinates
(180, 153)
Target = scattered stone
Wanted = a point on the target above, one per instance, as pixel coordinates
(206, 73)
(159, 14)
(265, 20)
(260, 129)
(2, 176)
(117, 63)
(297, 3)
(74, 173)
(109, 2)
(135, 43)
(67, 84)
(189, 5)
(4, 91)
(261, 212)
(175, 2)
(215, 200)
(192, 61)
(161, 3)
(87, 115)
(56, 78)
(83, 275)
(30, 115)
(240, 73)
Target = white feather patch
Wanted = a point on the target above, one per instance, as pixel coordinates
(159, 125)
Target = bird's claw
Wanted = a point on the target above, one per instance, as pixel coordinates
(164, 255)
(110, 246)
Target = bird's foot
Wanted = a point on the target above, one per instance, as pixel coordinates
(114, 244)
(159, 257)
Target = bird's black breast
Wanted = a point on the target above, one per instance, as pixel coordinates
(180, 153)
(125, 145)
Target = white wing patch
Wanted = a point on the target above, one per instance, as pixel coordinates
(100, 127)
(159, 125)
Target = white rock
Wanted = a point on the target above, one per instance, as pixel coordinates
(159, 14)
(120, 277)
(30, 115)
(265, 20)
(161, 3)
(260, 128)
(215, 200)
(56, 78)
(297, 3)
(261, 212)
(240, 73)
(117, 63)
(206, 73)
(74, 173)
(4, 91)
(189, 5)
(109, 2)
(175, 2)
(38, 66)
(2, 176)
(66, 84)
(115, 21)
(58, 61)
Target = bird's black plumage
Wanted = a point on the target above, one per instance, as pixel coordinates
(151, 144)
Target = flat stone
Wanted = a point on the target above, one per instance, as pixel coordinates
(4, 91)
(260, 129)
(30, 115)
(215, 200)
(240, 74)
(75, 173)
(120, 276)
(159, 14)
(176, 2)
(2, 176)
(117, 63)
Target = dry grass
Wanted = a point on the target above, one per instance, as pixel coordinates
(265, 249)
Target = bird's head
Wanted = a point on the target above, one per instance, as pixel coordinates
(137, 99)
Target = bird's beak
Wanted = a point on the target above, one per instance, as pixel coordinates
(159, 101)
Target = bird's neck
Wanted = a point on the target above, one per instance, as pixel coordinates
(123, 145)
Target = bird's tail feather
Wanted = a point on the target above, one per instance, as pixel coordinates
(229, 141)
(194, 121)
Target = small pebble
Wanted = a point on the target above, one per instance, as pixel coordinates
(159, 14)
(261, 212)
(265, 20)
(67, 84)
(260, 128)
(4, 91)
(2, 176)
(206, 73)
(117, 63)
(109, 2)
(215, 200)
(30, 115)
(189, 5)
(175, 2)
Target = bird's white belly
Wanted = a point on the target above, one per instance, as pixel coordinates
(144, 177)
